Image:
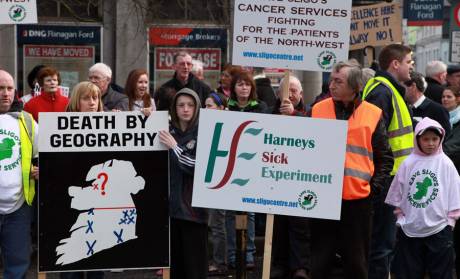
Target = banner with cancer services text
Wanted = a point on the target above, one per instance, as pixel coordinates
(270, 164)
(103, 195)
(300, 35)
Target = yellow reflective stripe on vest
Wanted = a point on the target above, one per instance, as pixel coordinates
(358, 174)
(400, 132)
(360, 151)
(26, 133)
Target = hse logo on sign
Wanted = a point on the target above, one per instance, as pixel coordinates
(216, 152)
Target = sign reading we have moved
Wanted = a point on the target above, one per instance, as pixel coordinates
(270, 164)
(290, 34)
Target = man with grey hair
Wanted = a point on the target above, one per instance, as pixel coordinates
(422, 106)
(183, 77)
(291, 250)
(368, 162)
(436, 73)
(101, 75)
(294, 104)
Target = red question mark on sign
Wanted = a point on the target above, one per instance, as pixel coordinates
(106, 177)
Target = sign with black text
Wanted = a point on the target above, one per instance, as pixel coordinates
(301, 35)
(103, 202)
(375, 25)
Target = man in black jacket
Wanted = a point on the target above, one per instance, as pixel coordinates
(386, 92)
(183, 78)
(101, 75)
(422, 106)
(436, 73)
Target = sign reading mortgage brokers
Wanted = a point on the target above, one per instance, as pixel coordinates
(290, 34)
(259, 163)
(105, 204)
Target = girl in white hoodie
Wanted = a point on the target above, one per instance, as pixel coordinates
(426, 194)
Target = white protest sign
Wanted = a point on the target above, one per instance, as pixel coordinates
(291, 34)
(270, 164)
(107, 131)
(18, 12)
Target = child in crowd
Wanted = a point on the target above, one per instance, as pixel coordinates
(189, 230)
(426, 194)
(216, 101)
(218, 264)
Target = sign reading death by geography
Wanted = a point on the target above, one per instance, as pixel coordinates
(105, 204)
(302, 35)
(259, 163)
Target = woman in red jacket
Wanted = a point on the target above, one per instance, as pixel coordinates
(50, 98)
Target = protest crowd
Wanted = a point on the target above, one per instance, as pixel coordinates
(399, 121)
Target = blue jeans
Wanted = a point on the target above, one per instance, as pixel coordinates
(15, 242)
(218, 235)
(382, 241)
(231, 237)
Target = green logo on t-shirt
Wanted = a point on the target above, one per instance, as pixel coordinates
(6, 148)
(10, 157)
(423, 188)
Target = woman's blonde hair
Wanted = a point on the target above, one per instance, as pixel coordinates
(81, 89)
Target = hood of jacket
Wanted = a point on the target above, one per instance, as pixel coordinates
(194, 95)
(421, 127)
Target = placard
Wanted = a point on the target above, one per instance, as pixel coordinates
(301, 35)
(18, 12)
(103, 195)
(260, 163)
(375, 25)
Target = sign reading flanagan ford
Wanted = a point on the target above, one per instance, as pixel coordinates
(69, 49)
(258, 163)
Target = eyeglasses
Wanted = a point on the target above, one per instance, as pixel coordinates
(94, 78)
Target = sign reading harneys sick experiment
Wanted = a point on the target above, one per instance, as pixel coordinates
(270, 164)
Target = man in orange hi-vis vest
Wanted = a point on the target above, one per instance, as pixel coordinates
(368, 163)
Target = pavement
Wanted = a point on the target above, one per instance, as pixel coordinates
(256, 273)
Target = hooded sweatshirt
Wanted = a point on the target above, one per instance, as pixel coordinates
(182, 164)
(426, 189)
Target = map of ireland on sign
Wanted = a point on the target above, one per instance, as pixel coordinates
(107, 215)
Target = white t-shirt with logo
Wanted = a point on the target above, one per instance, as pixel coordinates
(426, 189)
(11, 190)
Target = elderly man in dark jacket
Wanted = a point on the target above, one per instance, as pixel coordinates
(183, 78)
(422, 106)
(101, 75)
(436, 72)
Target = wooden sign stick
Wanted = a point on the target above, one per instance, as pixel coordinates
(270, 217)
